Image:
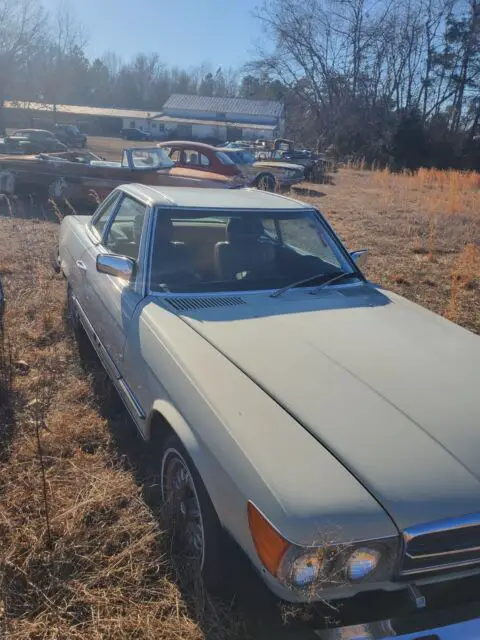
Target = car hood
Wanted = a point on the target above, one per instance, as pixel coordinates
(389, 388)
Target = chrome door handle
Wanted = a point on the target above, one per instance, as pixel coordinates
(81, 265)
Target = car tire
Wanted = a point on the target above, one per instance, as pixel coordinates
(265, 182)
(197, 535)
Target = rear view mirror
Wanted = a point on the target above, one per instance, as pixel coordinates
(118, 266)
(360, 257)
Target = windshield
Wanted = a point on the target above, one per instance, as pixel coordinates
(233, 250)
(147, 158)
(224, 157)
(241, 157)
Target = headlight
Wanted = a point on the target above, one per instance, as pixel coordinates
(317, 568)
(362, 563)
(301, 568)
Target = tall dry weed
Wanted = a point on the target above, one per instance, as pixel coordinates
(82, 555)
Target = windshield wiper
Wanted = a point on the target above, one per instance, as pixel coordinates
(299, 283)
(341, 276)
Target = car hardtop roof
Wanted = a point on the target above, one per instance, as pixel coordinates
(35, 131)
(200, 198)
(187, 143)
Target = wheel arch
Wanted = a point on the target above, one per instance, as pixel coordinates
(163, 420)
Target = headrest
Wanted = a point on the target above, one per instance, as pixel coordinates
(243, 228)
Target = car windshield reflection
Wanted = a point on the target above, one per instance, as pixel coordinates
(242, 251)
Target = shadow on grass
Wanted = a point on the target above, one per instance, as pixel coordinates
(39, 208)
(246, 608)
(8, 396)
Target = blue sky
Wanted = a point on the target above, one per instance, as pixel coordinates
(185, 33)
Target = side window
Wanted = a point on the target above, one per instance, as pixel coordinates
(195, 158)
(123, 237)
(104, 212)
(176, 155)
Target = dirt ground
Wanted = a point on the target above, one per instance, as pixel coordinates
(83, 553)
(111, 148)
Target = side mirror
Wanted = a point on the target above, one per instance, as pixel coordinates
(118, 266)
(360, 257)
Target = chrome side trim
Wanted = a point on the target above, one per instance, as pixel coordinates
(131, 397)
(102, 353)
(129, 400)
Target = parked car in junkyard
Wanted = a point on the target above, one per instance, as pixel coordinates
(265, 174)
(239, 164)
(70, 135)
(202, 157)
(39, 140)
(14, 147)
(135, 134)
(75, 175)
(329, 426)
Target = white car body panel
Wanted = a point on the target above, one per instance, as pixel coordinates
(344, 416)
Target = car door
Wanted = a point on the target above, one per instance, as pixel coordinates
(75, 241)
(109, 301)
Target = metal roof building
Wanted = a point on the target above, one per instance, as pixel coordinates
(222, 118)
(238, 106)
(182, 116)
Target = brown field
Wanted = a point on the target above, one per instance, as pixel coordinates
(82, 551)
(111, 148)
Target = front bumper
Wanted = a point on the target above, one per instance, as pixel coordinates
(462, 623)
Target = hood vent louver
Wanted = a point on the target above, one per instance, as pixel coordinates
(188, 304)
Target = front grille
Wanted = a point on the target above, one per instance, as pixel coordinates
(442, 545)
(207, 302)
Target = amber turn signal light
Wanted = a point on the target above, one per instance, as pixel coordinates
(270, 545)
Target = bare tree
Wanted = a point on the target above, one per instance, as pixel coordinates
(66, 41)
(22, 29)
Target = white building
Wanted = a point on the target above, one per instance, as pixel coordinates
(182, 117)
(187, 116)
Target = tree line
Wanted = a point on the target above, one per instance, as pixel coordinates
(393, 83)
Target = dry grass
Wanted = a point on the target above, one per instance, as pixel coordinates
(82, 555)
(423, 233)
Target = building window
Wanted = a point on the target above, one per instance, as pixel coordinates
(132, 124)
(154, 126)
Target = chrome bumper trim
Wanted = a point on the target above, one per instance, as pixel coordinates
(458, 624)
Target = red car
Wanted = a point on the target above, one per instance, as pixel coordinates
(199, 156)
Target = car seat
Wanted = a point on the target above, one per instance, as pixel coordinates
(244, 253)
(171, 261)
